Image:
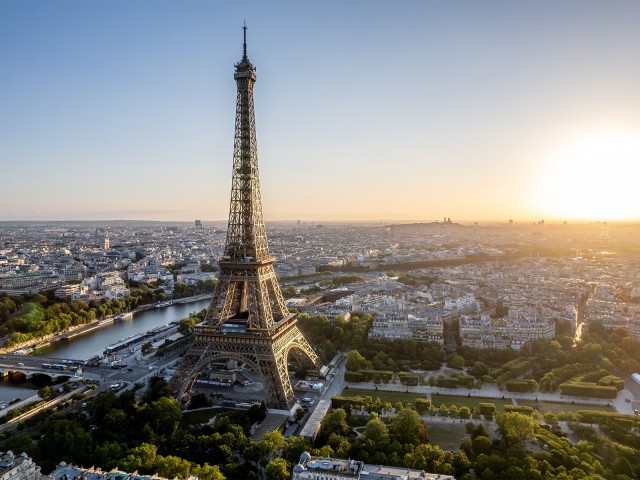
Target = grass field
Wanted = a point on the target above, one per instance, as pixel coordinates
(392, 397)
(557, 407)
(470, 402)
(446, 435)
(200, 416)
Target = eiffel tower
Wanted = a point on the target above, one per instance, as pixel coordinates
(247, 320)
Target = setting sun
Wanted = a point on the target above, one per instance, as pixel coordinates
(594, 177)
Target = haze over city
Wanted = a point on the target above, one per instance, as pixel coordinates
(408, 111)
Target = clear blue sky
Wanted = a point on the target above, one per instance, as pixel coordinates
(404, 110)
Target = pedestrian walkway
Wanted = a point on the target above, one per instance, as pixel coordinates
(492, 391)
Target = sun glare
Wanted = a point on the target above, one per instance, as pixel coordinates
(594, 177)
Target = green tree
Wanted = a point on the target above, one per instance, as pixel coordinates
(172, 467)
(464, 412)
(407, 427)
(46, 392)
(207, 472)
(142, 458)
(376, 432)
(186, 325)
(514, 427)
(356, 361)
(294, 447)
(457, 361)
(163, 416)
(272, 443)
(480, 445)
(278, 469)
(335, 422)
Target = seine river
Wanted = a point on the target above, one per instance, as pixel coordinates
(94, 343)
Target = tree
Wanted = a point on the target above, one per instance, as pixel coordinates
(514, 427)
(550, 418)
(163, 416)
(335, 422)
(480, 445)
(278, 469)
(294, 447)
(46, 392)
(464, 412)
(376, 432)
(172, 466)
(208, 472)
(407, 427)
(146, 348)
(355, 361)
(272, 443)
(158, 388)
(457, 361)
(186, 326)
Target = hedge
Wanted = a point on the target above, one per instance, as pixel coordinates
(600, 417)
(423, 405)
(518, 386)
(447, 382)
(588, 390)
(385, 375)
(409, 378)
(527, 410)
(355, 377)
(341, 401)
(612, 381)
(487, 408)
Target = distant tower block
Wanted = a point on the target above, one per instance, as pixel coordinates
(198, 224)
(247, 320)
(105, 243)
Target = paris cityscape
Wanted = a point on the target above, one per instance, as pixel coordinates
(376, 312)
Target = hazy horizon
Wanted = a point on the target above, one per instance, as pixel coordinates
(397, 112)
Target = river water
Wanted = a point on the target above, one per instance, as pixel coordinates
(94, 343)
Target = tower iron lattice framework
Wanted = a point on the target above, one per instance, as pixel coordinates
(247, 320)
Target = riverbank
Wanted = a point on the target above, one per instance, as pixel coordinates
(80, 330)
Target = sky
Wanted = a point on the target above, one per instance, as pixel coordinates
(365, 110)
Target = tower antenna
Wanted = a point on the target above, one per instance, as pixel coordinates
(244, 45)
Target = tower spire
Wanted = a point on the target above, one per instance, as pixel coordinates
(244, 45)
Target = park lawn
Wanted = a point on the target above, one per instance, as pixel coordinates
(32, 312)
(392, 397)
(446, 435)
(200, 416)
(557, 407)
(471, 402)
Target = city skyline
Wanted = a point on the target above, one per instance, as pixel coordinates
(401, 111)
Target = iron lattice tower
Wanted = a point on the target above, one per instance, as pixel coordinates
(247, 320)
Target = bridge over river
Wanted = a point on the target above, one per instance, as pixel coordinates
(30, 366)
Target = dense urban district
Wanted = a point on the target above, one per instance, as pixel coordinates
(497, 351)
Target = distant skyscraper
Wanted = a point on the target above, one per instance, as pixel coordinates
(106, 243)
(198, 224)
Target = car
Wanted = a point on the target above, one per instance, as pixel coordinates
(20, 364)
(150, 368)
